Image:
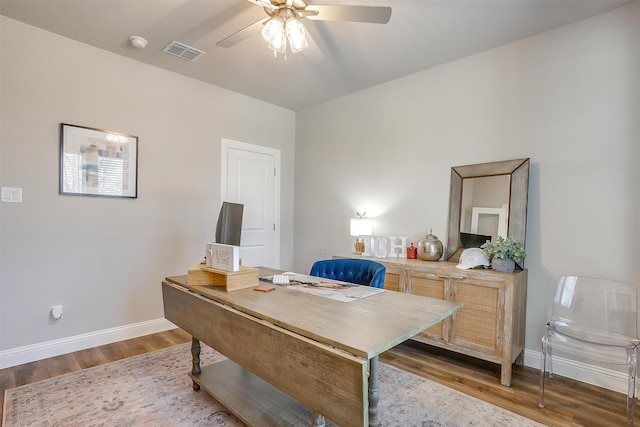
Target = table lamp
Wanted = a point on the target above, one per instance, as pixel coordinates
(360, 227)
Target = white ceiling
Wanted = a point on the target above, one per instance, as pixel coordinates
(421, 34)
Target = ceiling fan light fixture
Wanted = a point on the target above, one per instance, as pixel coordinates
(278, 44)
(279, 29)
(296, 35)
(274, 34)
(273, 29)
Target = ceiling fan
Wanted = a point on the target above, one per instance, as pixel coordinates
(283, 23)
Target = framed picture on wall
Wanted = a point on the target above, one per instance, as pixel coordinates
(95, 162)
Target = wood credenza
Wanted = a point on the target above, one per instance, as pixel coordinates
(490, 326)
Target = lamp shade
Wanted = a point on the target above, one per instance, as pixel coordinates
(274, 33)
(360, 227)
(296, 35)
(278, 29)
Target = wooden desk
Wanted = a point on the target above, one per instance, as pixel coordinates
(300, 350)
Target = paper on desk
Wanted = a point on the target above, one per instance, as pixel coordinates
(332, 289)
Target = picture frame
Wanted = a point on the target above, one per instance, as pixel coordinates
(96, 162)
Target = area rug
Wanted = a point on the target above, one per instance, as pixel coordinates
(154, 389)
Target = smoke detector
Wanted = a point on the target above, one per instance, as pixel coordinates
(137, 41)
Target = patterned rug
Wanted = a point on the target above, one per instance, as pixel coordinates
(154, 390)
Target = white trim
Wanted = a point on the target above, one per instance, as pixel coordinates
(591, 374)
(225, 145)
(43, 350)
(579, 371)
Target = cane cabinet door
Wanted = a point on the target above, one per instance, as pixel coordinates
(393, 279)
(479, 324)
(434, 286)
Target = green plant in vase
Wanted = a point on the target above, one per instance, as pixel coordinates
(504, 253)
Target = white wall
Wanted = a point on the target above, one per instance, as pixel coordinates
(569, 99)
(104, 259)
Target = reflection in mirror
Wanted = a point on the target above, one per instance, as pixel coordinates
(487, 200)
(485, 206)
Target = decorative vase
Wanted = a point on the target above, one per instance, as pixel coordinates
(430, 248)
(412, 252)
(503, 265)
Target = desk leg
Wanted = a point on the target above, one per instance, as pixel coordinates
(195, 360)
(373, 392)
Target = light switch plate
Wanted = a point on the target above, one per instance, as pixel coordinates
(11, 194)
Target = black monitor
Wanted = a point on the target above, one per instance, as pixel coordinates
(229, 227)
(468, 240)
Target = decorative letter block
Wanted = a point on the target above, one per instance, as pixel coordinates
(403, 246)
(380, 244)
(391, 243)
(367, 245)
(397, 246)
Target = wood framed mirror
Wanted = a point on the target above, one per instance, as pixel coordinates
(487, 200)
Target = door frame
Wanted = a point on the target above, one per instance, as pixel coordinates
(226, 145)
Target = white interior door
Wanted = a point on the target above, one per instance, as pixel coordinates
(250, 175)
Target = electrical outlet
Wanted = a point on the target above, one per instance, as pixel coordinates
(56, 312)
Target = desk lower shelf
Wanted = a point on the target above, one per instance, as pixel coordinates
(254, 401)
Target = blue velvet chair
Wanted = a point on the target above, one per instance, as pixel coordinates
(360, 271)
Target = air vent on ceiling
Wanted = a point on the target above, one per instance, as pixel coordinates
(183, 51)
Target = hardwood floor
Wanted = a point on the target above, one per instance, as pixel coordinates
(569, 403)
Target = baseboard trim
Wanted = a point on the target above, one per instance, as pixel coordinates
(591, 374)
(579, 371)
(30, 353)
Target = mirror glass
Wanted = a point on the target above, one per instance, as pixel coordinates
(487, 200)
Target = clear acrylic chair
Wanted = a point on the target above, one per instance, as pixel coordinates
(595, 319)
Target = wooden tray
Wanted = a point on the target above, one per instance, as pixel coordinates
(247, 277)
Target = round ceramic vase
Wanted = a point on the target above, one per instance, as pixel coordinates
(503, 265)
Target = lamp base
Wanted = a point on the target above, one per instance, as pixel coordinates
(359, 246)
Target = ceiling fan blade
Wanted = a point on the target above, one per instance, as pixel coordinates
(372, 14)
(307, 12)
(264, 3)
(245, 33)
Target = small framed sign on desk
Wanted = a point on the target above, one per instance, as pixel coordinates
(223, 257)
